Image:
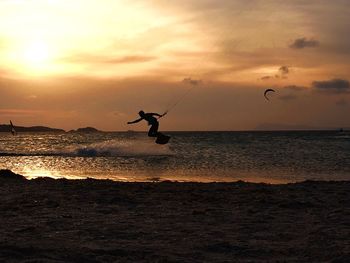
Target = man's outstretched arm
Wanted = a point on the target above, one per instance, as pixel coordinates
(135, 121)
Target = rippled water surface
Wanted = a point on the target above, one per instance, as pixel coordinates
(274, 157)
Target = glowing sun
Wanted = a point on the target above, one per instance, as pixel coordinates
(37, 54)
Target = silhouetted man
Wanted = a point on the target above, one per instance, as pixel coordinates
(149, 117)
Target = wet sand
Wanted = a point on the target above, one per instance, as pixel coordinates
(47, 220)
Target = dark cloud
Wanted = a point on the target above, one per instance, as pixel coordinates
(284, 70)
(266, 77)
(301, 43)
(193, 82)
(332, 86)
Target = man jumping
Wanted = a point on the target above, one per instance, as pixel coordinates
(149, 117)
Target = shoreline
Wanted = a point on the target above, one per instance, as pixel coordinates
(89, 220)
(132, 177)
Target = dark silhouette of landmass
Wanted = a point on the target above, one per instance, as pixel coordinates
(7, 128)
(86, 130)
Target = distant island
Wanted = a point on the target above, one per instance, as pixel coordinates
(19, 129)
(7, 128)
(86, 130)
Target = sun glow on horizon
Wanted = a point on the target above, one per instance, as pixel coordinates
(54, 38)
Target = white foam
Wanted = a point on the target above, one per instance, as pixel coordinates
(135, 147)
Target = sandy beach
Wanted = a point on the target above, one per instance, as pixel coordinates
(47, 220)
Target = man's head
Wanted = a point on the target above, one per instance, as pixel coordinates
(141, 113)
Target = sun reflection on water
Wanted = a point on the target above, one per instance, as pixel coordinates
(39, 173)
(36, 173)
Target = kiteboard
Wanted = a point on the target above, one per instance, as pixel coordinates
(162, 138)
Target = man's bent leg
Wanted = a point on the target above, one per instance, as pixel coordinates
(153, 131)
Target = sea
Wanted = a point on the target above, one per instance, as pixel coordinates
(252, 156)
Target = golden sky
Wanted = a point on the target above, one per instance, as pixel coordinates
(96, 63)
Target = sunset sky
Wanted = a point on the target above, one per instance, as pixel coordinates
(77, 63)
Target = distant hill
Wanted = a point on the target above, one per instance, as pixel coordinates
(7, 128)
(85, 130)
